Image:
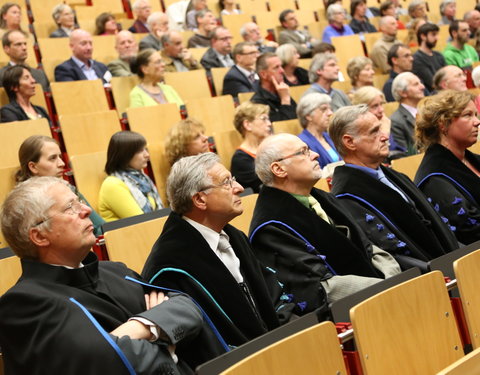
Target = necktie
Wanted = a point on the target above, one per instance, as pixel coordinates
(251, 77)
(228, 62)
(315, 205)
(228, 257)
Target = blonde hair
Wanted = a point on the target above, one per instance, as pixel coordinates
(355, 66)
(365, 94)
(179, 136)
(248, 111)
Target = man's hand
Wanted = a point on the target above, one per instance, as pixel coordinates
(283, 91)
(154, 298)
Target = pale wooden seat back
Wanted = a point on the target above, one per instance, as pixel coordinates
(10, 271)
(242, 222)
(234, 23)
(14, 133)
(7, 183)
(287, 126)
(198, 52)
(88, 170)
(86, 133)
(408, 165)
(390, 107)
(467, 365)
(467, 272)
(226, 143)
(216, 114)
(217, 75)
(79, 97)
(245, 96)
(315, 350)
(54, 52)
(189, 85)
(296, 92)
(132, 244)
(161, 169)
(346, 48)
(407, 329)
(121, 87)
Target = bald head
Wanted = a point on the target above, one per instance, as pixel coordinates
(450, 77)
(388, 25)
(251, 32)
(81, 45)
(126, 45)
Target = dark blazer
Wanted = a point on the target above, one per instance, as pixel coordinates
(59, 33)
(235, 81)
(403, 128)
(210, 60)
(150, 42)
(138, 27)
(69, 71)
(38, 74)
(13, 112)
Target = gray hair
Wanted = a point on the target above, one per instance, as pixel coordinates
(188, 176)
(243, 29)
(413, 6)
(138, 3)
(332, 9)
(400, 85)
(25, 206)
(267, 153)
(286, 52)
(167, 37)
(57, 11)
(444, 3)
(154, 18)
(308, 103)
(318, 62)
(343, 122)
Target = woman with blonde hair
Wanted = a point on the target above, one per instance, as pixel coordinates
(185, 138)
(360, 70)
(293, 74)
(253, 123)
(449, 175)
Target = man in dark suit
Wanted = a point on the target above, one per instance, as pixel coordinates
(15, 46)
(408, 90)
(141, 9)
(242, 76)
(81, 66)
(301, 39)
(158, 25)
(219, 54)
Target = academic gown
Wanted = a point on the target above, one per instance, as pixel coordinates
(453, 189)
(404, 230)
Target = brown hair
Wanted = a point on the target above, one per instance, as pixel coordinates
(30, 150)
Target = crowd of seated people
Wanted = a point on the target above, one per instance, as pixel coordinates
(374, 223)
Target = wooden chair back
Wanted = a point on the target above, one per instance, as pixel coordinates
(408, 165)
(217, 75)
(226, 142)
(234, 23)
(287, 126)
(346, 48)
(467, 365)
(390, 107)
(216, 113)
(161, 169)
(121, 87)
(296, 92)
(245, 96)
(407, 329)
(182, 83)
(54, 51)
(7, 183)
(10, 271)
(242, 222)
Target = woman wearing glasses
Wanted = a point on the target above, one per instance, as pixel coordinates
(127, 191)
(41, 156)
(252, 122)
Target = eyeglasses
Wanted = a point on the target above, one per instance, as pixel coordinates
(228, 183)
(264, 118)
(305, 151)
(73, 208)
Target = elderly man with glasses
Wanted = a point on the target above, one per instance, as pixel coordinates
(200, 254)
(303, 234)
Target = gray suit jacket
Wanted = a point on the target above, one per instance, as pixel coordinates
(290, 36)
(119, 68)
(210, 60)
(403, 129)
(38, 74)
(150, 42)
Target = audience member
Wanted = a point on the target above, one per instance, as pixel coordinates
(450, 77)
(206, 23)
(158, 24)
(301, 39)
(81, 66)
(476, 82)
(202, 255)
(141, 10)
(417, 9)
(304, 235)
(65, 20)
(458, 52)
(322, 48)
(389, 208)
(408, 91)
(106, 24)
(242, 76)
(127, 48)
(194, 7)
(185, 138)
(400, 58)
(10, 17)
(293, 74)
(336, 23)
(250, 32)
(361, 73)
(388, 8)
(40, 156)
(175, 56)
(220, 52)
(426, 61)
(273, 91)
(176, 14)
(313, 112)
(74, 302)
(127, 190)
(15, 46)
(228, 7)
(448, 9)
(324, 70)
(388, 27)
(20, 87)
(447, 125)
(360, 23)
(472, 17)
(151, 90)
(252, 122)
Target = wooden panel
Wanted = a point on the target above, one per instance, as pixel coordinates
(468, 365)
(121, 87)
(296, 92)
(242, 222)
(287, 126)
(346, 48)
(161, 169)
(408, 165)
(79, 97)
(217, 75)
(10, 271)
(226, 143)
(216, 114)
(182, 83)
(7, 183)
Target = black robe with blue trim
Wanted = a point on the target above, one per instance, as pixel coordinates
(403, 229)
(44, 332)
(190, 265)
(453, 189)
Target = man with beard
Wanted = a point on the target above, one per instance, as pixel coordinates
(459, 52)
(426, 61)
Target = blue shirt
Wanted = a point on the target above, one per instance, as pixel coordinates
(88, 71)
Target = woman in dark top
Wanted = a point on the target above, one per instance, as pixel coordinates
(20, 87)
(294, 75)
(252, 122)
(449, 174)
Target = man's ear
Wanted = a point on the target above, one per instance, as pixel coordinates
(278, 169)
(38, 238)
(199, 201)
(348, 142)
